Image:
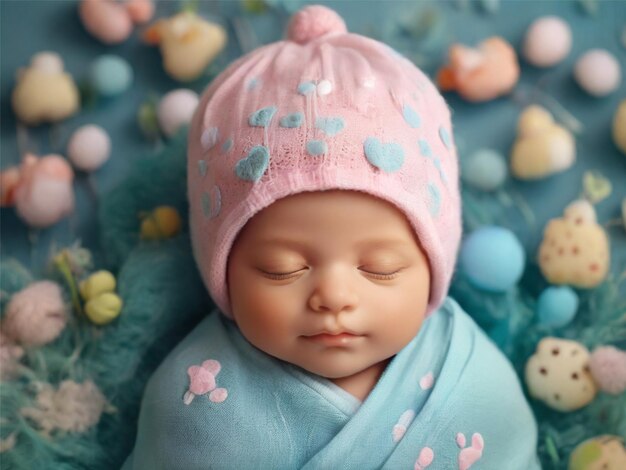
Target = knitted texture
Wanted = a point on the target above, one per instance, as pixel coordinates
(323, 109)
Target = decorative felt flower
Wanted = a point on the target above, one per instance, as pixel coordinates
(202, 381)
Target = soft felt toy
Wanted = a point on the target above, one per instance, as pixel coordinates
(558, 374)
(36, 315)
(188, 44)
(601, 452)
(102, 305)
(547, 42)
(44, 92)
(619, 127)
(163, 222)
(43, 194)
(575, 249)
(608, 368)
(542, 147)
(112, 21)
(480, 74)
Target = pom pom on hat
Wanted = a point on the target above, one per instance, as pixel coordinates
(313, 22)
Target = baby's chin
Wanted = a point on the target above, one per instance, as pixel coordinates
(335, 369)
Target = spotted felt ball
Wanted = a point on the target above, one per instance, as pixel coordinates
(608, 368)
(492, 258)
(598, 72)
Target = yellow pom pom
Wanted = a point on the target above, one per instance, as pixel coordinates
(163, 222)
(96, 284)
(103, 309)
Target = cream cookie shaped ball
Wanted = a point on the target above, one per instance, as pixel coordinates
(558, 374)
(599, 453)
(575, 249)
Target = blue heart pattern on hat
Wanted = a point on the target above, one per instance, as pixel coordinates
(292, 121)
(252, 167)
(388, 157)
(411, 117)
(262, 117)
(330, 125)
(212, 203)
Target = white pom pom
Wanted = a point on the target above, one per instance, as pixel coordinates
(176, 109)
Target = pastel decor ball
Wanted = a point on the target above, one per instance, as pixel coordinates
(485, 169)
(598, 72)
(600, 452)
(89, 147)
(163, 222)
(608, 368)
(492, 258)
(176, 109)
(558, 374)
(557, 306)
(547, 42)
(619, 127)
(111, 75)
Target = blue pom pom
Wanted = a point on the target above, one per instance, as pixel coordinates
(316, 147)
(485, 169)
(492, 258)
(111, 75)
(557, 306)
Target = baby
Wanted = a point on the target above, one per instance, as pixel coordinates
(326, 219)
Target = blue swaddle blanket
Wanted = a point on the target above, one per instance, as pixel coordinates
(448, 400)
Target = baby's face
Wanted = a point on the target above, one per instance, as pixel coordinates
(334, 282)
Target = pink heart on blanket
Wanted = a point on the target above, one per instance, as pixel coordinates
(202, 377)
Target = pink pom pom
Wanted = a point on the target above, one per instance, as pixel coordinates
(313, 22)
(140, 11)
(106, 20)
(608, 368)
(35, 315)
(44, 194)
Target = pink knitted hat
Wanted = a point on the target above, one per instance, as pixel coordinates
(323, 109)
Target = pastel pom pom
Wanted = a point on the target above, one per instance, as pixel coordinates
(313, 22)
(485, 169)
(542, 147)
(619, 127)
(492, 258)
(547, 42)
(598, 72)
(111, 75)
(44, 92)
(89, 147)
(176, 109)
(557, 306)
(36, 315)
(608, 367)
(44, 194)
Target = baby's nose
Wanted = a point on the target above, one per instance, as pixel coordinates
(335, 291)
